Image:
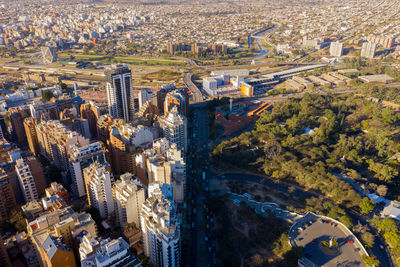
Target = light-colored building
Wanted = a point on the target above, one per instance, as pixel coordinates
(95, 252)
(26, 181)
(161, 234)
(49, 54)
(368, 50)
(332, 79)
(98, 183)
(129, 196)
(163, 163)
(80, 157)
(318, 80)
(336, 49)
(174, 126)
(379, 78)
(145, 95)
(303, 82)
(234, 72)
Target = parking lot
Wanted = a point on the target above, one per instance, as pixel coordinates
(310, 231)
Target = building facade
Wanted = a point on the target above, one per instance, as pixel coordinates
(7, 198)
(336, 49)
(161, 234)
(119, 92)
(26, 181)
(30, 125)
(80, 157)
(174, 126)
(98, 182)
(128, 196)
(107, 252)
(368, 50)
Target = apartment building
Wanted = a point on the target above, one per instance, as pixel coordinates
(98, 183)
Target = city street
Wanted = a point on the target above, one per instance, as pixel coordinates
(201, 242)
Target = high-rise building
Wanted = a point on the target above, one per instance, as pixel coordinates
(18, 130)
(30, 125)
(95, 252)
(98, 182)
(7, 198)
(36, 169)
(145, 95)
(177, 98)
(80, 157)
(4, 258)
(163, 164)
(4, 128)
(92, 113)
(336, 49)
(104, 126)
(160, 146)
(174, 126)
(121, 152)
(119, 92)
(129, 196)
(56, 142)
(26, 181)
(161, 94)
(161, 235)
(368, 50)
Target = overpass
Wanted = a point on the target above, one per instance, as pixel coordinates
(187, 80)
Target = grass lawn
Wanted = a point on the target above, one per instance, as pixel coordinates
(140, 61)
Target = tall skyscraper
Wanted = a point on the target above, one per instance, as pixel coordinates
(161, 235)
(30, 125)
(81, 157)
(98, 186)
(174, 126)
(4, 128)
(38, 175)
(17, 122)
(336, 49)
(119, 92)
(128, 199)
(368, 50)
(26, 181)
(7, 198)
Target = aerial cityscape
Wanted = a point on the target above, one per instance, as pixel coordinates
(199, 133)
